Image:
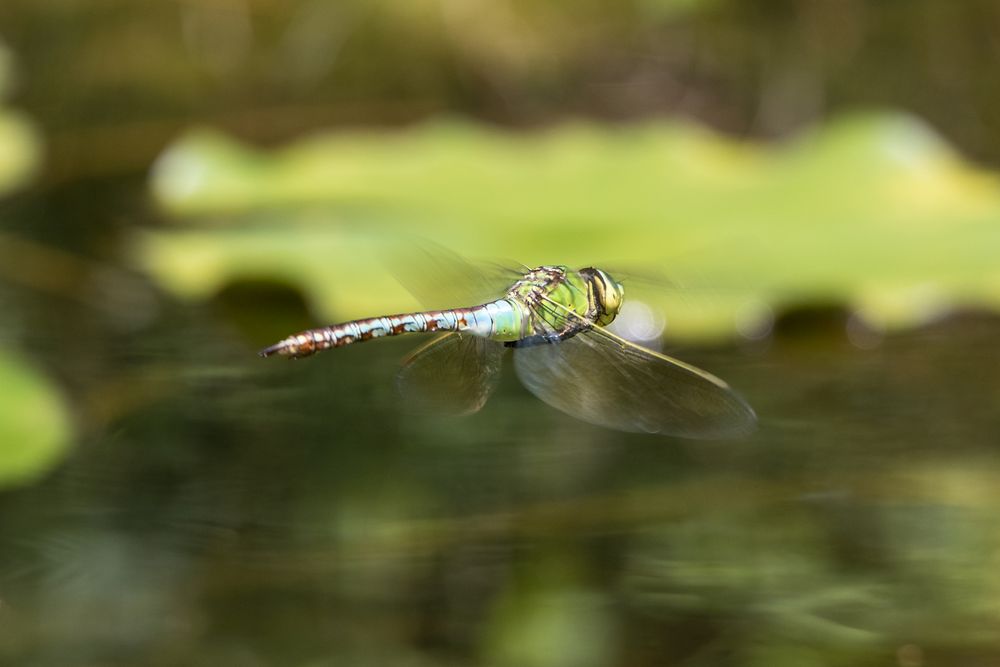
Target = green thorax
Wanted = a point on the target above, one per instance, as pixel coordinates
(554, 300)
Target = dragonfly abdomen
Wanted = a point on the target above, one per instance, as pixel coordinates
(495, 319)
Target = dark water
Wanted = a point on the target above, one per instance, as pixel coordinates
(221, 509)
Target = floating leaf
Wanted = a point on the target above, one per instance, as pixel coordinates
(873, 211)
(34, 426)
(19, 142)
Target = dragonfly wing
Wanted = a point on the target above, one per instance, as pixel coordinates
(622, 386)
(453, 374)
(440, 278)
(601, 378)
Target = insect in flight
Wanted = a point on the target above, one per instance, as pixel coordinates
(555, 320)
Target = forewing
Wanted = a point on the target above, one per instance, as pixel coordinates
(453, 374)
(440, 278)
(603, 379)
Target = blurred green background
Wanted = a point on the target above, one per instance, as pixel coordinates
(184, 182)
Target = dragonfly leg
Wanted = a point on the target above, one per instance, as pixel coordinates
(547, 338)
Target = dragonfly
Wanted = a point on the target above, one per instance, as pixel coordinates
(555, 320)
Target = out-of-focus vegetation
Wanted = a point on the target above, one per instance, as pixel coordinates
(19, 150)
(113, 85)
(34, 428)
(873, 212)
(183, 181)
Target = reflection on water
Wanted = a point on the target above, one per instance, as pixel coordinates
(231, 511)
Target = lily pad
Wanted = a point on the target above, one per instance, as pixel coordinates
(19, 141)
(34, 425)
(19, 150)
(874, 211)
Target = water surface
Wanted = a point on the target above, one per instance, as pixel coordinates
(223, 509)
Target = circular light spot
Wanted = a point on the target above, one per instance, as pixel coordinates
(178, 174)
(754, 320)
(862, 333)
(638, 322)
(910, 655)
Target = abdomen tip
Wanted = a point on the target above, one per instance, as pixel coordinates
(277, 348)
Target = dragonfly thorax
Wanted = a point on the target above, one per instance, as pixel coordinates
(558, 301)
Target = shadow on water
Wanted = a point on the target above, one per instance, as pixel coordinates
(226, 509)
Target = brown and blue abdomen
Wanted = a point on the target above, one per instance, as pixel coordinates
(499, 320)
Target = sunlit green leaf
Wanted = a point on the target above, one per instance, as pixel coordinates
(873, 211)
(34, 426)
(19, 152)
(19, 142)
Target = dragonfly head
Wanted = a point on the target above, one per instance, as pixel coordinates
(608, 294)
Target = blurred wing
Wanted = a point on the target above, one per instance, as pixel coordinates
(451, 375)
(440, 278)
(606, 380)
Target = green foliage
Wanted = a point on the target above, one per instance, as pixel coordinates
(34, 426)
(872, 211)
(19, 144)
(34, 430)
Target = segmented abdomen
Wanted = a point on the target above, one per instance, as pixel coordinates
(480, 321)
